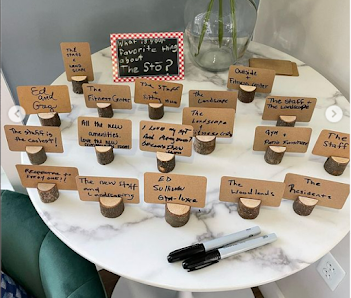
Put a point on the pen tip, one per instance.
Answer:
(185, 265)
(169, 259)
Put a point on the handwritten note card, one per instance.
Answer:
(301, 107)
(94, 131)
(156, 55)
(20, 136)
(210, 122)
(117, 95)
(44, 99)
(328, 193)
(187, 190)
(281, 67)
(262, 79)
(148, 91)
(295, 139)
(166, 137)
(332, 143)
(213, 99)
(63, 177)
(92, 188)
(77, 60)
(234, 188)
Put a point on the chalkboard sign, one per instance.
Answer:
(156, 56)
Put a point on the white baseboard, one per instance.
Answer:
(271, 290)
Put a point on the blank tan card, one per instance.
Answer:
(213, 99)
(117, 95)
(63, 177)
(20, 136)
(281, 67)
(44, 99)
(301, 107)
(295, 139)
(262, 79)
(328, 193)
(233, 188)
(166, 137)
(149, 91)
(187, 190)
(210, 122)
(92, 188)
(77, 60)
(96, 131)
(332, 143)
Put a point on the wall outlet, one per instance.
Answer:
(331, 271)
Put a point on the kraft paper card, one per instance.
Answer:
(44, 99)
(328, 193)
(295, 139)
(332, 143)
(63, 177)
(301, 107)
(96, 131)
(166, 137)
(295, 70)
(117, 95)
(213, 99)
(77, 60)
(20, 136)
(281, 67)
(210, 122)
(234, 188)
(149, 91)
(92, 188)
(187, 190)
(262, 79)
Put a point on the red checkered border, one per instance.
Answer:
(178, 35)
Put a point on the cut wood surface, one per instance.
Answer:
(48, 192)
(286, 121)
(104, 154)
(249, 208)
(77, 83)
(36, 154)
(246, 94)
(156, 111)
(304, 206)
(274, 154)
(177, 215)
(111, 207)
(49, 119)
(204, 144)
(336, 165)
(105, 110)
(165, 162)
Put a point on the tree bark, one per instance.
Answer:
(286, 121)
(77, 83)
(303, 206)
(204, 144)
(274, 154)
(49, 119)
(177, 215)
(36, 154)
(104, 154)
(336, 165)
(249, 208)
(111, 207)
(105, 110)
(48, 192)
(156, 111)
(165, 162)
(246, 94)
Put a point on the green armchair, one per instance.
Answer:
(35, 258)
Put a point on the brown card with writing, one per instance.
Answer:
(44, 99)
(149, 91)
(92, 188)
(328, 193)
(281, 67)
(63, 177)
(295, 139)
(332, 143)
(187, 190)
(117, 95)
(262, 79)
(213, 99)
(20, 136)
(301, 107)
(97, 131)
(210, 122)
(77, 60)
(269, 192)
(166, 137)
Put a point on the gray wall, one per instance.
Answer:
(32, 31)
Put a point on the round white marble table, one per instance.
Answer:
(136, 244)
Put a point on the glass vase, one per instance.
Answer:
(219, 31)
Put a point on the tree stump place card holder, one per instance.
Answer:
(48, 180)
(78, 65)
(336, 147)
(250, 194)
(157, 95)
(167, 140)
(111, 193)
(307, 192)
(46, 102)
(287, 110)
(106, 98)
(105, 135)
(34, 140)
(178, 192)
(275, 141)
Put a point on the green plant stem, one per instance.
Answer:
(220, 22)
(204, 26)
(235, 49)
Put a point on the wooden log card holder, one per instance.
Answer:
(246, 94)
(49, 119)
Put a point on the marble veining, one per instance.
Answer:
(136, 244)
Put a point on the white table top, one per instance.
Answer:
(135, 245)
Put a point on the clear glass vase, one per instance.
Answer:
(219, 31)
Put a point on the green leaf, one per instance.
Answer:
(220, 23)
(232, 6)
